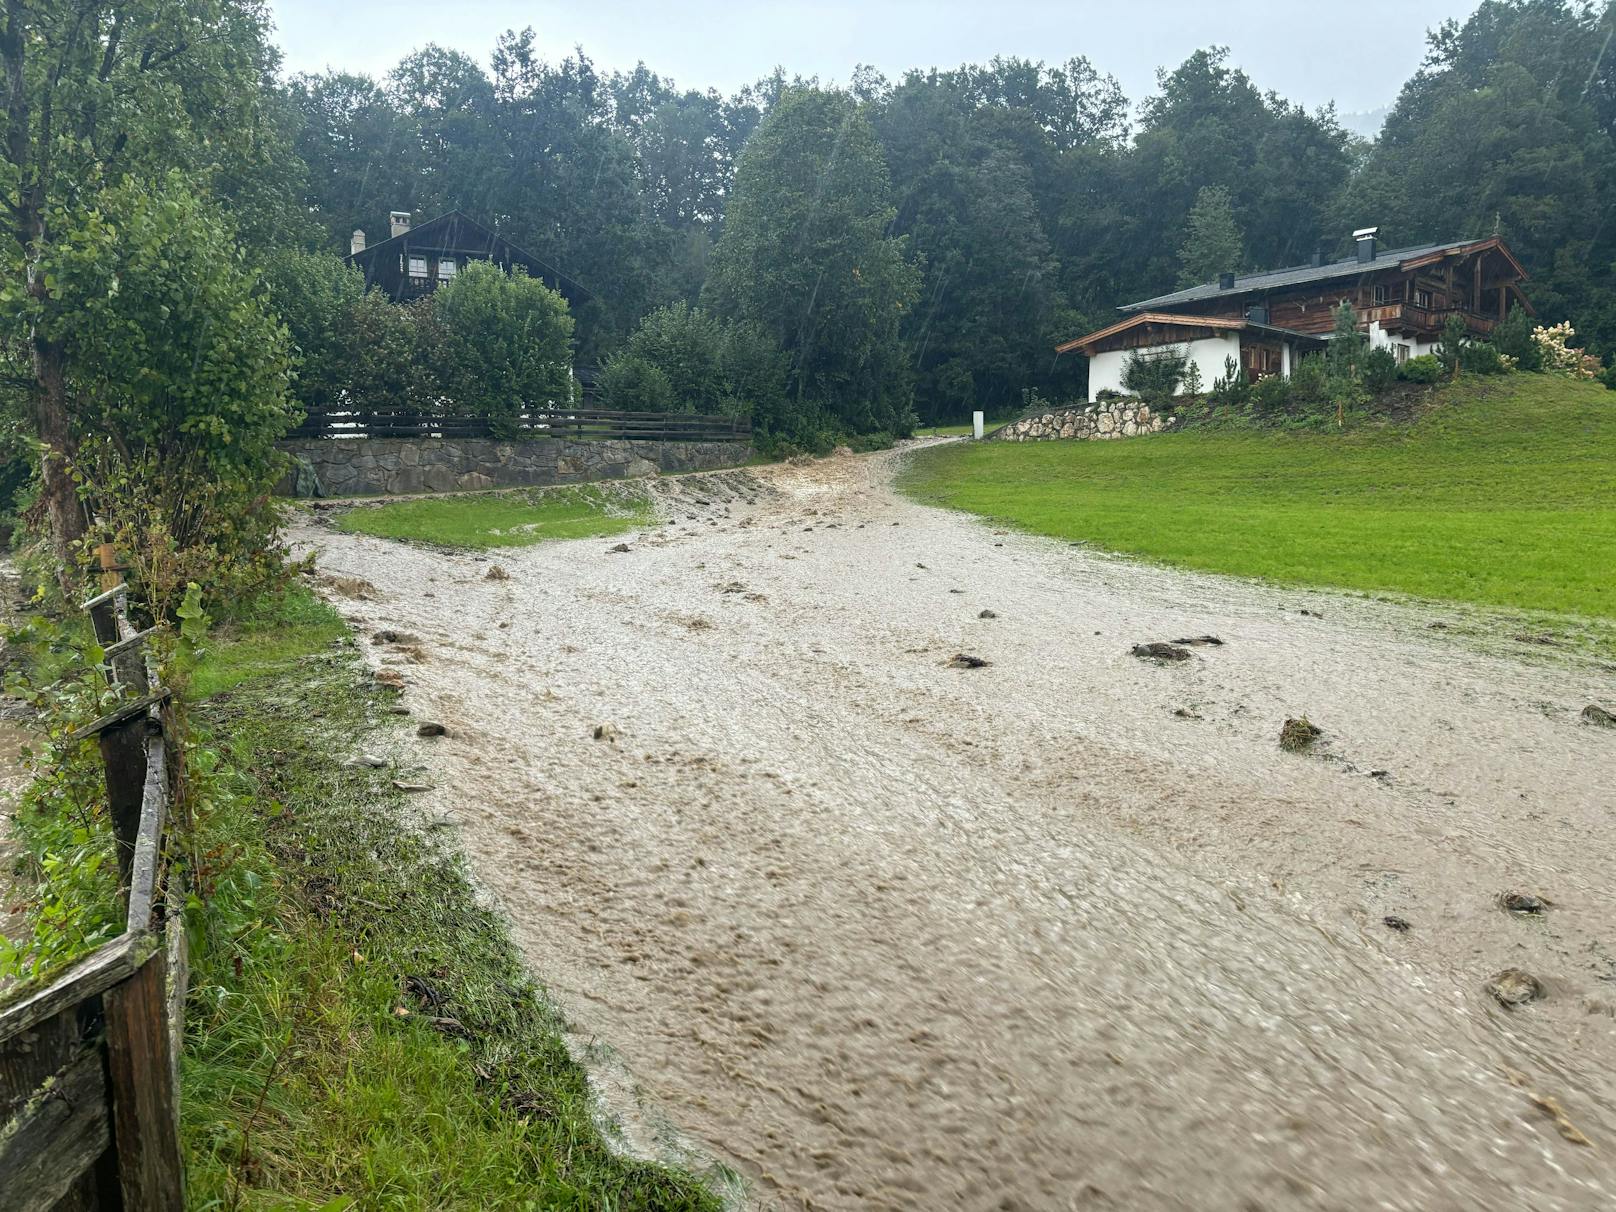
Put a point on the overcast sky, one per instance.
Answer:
(1356, 55)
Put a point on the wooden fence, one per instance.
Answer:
(585, 423)
(89, 1063)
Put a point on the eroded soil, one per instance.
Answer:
(1062, 929)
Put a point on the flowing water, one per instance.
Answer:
(1067, 930)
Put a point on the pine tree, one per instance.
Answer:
(1213, 244)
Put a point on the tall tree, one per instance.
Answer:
(95, 93)
(805, 257)
(1212, 241)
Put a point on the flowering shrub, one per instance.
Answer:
(1558, 358)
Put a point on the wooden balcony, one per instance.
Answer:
(1425, 322)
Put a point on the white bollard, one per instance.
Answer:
(976, 425)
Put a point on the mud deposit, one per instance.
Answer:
(1065, 929)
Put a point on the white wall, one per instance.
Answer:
(1379, 338)
(1105, 369)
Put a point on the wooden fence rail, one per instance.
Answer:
(89, 1063)
(589, 423)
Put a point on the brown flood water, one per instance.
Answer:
(883, 933)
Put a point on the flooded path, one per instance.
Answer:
(1064, 931)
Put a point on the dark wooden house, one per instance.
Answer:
(416, 259)
(1266, 321)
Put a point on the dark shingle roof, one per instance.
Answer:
(1348, 267)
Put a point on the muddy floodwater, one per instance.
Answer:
(1064, 930)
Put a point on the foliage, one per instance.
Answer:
(631, 382)
(316, 296)
(1557, 357)
(1155, 376)
(1378, 370)
(1271, 394)
(1426, 368)
(806, 258)
(707, 365)
(506, 343)
(1230, 389)
(1192, 378)
(1512, 338)
(1212, 243)
(1310, 381)
(1450, 349)
(178, 370)
(1344, 354)
(1451, 506)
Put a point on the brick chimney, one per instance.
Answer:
(399, 220)
(356, 242)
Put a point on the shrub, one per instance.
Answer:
(1106, 394)
(1230, 389)
(1558, 358)
(1481, 358)
(1192, 378)
(1450, 349)
(1426, 368)
(632, 384)
(1608, 377)
(687, 345)
(507, 342)
(1271, 395)
(1310, 379)
(315, 295)
(1512, 338)
(1379, 369)
(1155, 376)
(1344, 354)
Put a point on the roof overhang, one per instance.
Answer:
(1211, 324)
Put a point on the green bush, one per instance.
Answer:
(1379, 368)
(630, 383)
(316, 295)
(1478, 357)
(1513, 338)
(1608, 376)
(1271, 395)
(1155, 376)
(1231, 389)
(1310, 381)
(1450, 349)
(1426, 368)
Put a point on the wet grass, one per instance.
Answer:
(267, 636)
(1503, 495)
(507, 519)
(360, 1027)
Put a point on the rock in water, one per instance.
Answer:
(964, 660)
(1512, 987)
(1522, 902)
(1160, 652)
(1593, 713)
(1298, 735)
(988, 614)
(605, 732)
(429, 728)
(620, 549)
(1393, 922)
(496, 573)
(1199, 641)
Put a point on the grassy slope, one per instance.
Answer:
(336, 930)
(507, 519)
(1504, 494)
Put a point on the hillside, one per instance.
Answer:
(1502, 493)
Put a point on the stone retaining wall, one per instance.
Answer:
(351, 467)
(1093, 422)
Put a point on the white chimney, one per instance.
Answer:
(400, 221)
(356, 242)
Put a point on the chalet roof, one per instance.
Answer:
(456, 231)
(1347, 267)
(1179, 320)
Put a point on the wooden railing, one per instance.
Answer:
(88, 1063)
(1426, 319)
(587, 423)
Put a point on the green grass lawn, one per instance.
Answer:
(507, 519)
(1503, 494)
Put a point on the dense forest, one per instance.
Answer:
(932, 238)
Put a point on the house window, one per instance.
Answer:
(1422, 298)
(1400, 352)
(418, 269)
(446, 268)
(1380, 293)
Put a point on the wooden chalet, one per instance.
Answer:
(416, 259)
(1266, 321)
